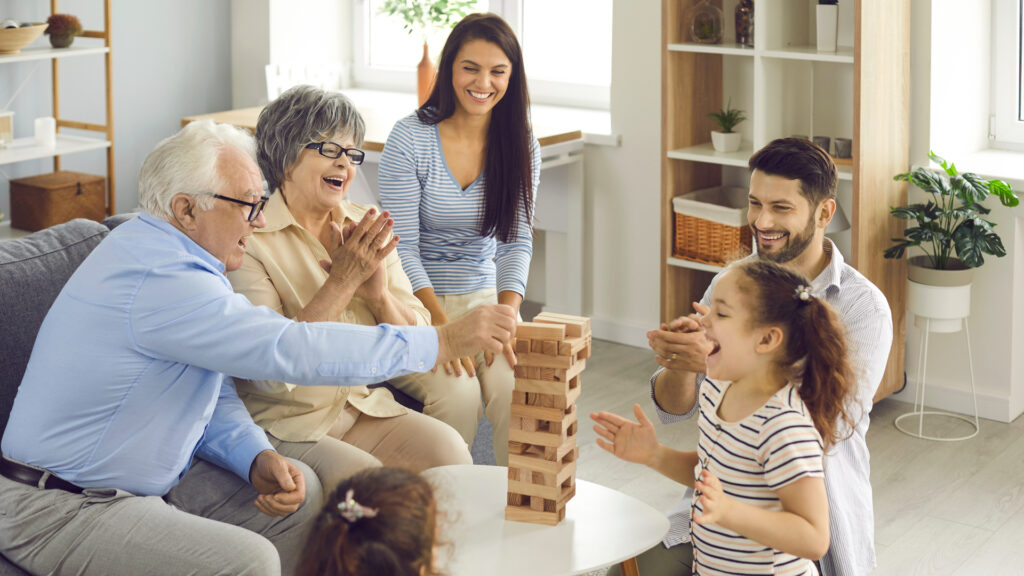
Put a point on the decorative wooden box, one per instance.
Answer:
(45, 200)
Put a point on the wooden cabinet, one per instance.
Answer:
(788, 88)
(24, 148)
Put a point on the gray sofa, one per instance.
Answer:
(33, 270)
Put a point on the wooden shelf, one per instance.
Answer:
(23, 149)
(843, 55)
(683, 263)
(707, 153)
(724, 49)
(43, 53)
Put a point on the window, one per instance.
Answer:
(566, 48)
(1007, 129)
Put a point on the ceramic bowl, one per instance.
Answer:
(12, 40)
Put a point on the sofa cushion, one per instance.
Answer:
(33, 269)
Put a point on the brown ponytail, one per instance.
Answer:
(399, 539)
(815, 344)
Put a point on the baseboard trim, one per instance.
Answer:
(619, 332)
(956, 397)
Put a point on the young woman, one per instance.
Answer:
(379, 521)
(459, 177)
(776, 403)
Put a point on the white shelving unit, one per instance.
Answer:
(24, 149)
(787, 87)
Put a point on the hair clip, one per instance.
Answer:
(352, 511)
(803, 293)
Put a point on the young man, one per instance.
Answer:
(792, 200)
(129, 381)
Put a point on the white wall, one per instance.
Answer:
(171, 59)
(623, 185)
(950, 105)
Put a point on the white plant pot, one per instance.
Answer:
(939, 308)
(828, 22)
(726, 141)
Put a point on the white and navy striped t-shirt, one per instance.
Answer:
(439, 222)
(753, 458)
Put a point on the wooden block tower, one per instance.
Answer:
(551, 352)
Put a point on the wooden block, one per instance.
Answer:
(544, 361)
(538, 412)
(547, 466)
(547, 400)
(536, 346)
(536, 437)
(529, 425)
(573, 346)
(553, 492)
(522, 346)
(516, 448)
(536, 503)
(515, 499)
(552, 387)
(549, 348)
(524, 514)
(574, 325)
(544, 331)
(533, 372)
(519, 397)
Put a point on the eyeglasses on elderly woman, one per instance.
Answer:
(334, 151)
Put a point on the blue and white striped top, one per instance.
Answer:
(864, 312)
(439, 222)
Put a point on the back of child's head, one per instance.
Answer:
(378, 521)
(814, 341)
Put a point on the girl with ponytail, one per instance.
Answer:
(774, 402)
(378, 521)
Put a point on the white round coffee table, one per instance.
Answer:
(601, 527)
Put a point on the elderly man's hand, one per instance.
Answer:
(358, 252)
(486, 328)
(681, 344)
(281, 485)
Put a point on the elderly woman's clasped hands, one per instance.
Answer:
(358, 253)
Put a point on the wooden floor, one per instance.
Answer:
(940, 507)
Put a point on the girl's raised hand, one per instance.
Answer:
(714, 502)
(632, 441)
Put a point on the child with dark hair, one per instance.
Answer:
(378, 521)
(777, 402)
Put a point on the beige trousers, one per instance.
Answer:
(456, 399)
(358, 441)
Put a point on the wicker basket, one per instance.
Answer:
(711, 225)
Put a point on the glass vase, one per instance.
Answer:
(706, 23)
(745, 23)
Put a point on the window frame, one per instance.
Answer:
(1007, 129)
(541, 91)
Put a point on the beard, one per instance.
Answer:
(794, 246)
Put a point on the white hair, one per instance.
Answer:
(186, 163)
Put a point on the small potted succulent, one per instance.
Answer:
(728, 118)
(62, 29)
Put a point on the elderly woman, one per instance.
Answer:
(299, 264)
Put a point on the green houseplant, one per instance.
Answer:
(951, 221)
(62, 29)
(727, 118)
(424, 17)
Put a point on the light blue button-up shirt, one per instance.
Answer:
(128, 379)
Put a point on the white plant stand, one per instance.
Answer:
(939, 309)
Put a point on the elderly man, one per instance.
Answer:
(792, 199)
(127, 383)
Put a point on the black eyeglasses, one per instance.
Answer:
(334, 151)
(256, 207)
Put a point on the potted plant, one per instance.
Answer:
(423, 17)
(728, 118)
(62, 29)
(827, 24)
(951, 231)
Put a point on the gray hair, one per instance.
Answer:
(299, 116)
(186, 163)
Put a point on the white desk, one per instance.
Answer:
(560, 200)
(601, 527)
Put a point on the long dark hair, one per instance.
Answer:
(507, 165)
(812, 333)
(399, 540)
